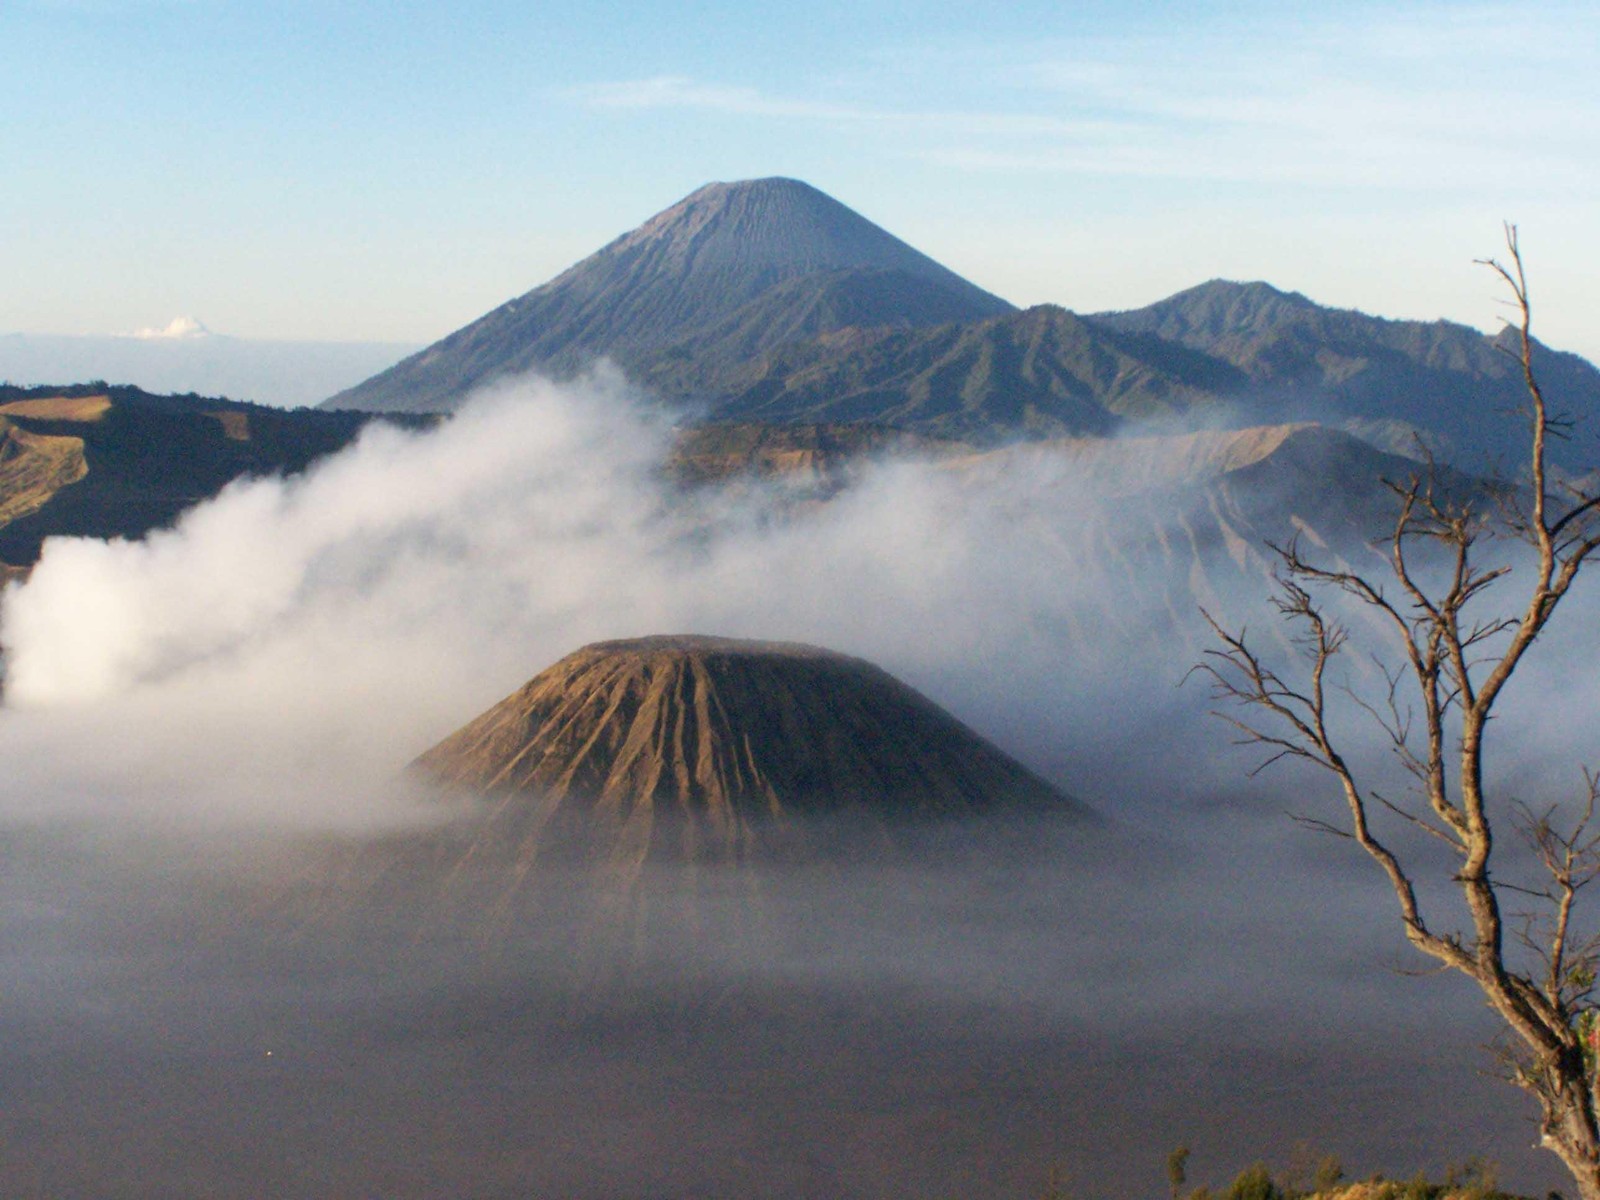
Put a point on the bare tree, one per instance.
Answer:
(1452, 654)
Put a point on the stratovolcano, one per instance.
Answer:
(731, 270)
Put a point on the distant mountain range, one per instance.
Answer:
(796, 338)
(768, 301)
(1387, 380)
(1044, 372)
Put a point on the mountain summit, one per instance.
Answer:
(712, 267)
(748, 236)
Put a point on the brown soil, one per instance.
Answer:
(688, 747)
(59, 408)
(34, 467)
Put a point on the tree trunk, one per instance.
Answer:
(1585, 1173)
(1572, 1138)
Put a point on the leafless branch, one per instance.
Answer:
(1439, 698)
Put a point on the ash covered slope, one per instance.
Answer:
(694, 278)
(724, 737)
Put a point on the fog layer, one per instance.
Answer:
(304, 638)
(206, 729)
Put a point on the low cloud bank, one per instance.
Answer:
(308, 637)
(279, 656)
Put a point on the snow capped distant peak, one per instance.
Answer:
(179, 328)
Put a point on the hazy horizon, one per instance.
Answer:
(286, 374)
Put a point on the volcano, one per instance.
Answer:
(727, 272)
(703, 748)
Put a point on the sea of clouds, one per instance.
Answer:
(183, 710)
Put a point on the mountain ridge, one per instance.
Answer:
(1038, 372)
(1446, 385)
(768, 301)
(90, 460)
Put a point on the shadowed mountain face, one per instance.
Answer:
(702, 268)
(103, 462)
(1220, 354)
(683, 748)
(1387, 380)
(1044, 372)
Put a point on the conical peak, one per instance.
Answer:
(774, 228)
(729, 734)
(769, 200)
(687, 273)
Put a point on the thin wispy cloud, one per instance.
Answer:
(1414, 100)
(676, 92)
(680, 92)
(1423, 99)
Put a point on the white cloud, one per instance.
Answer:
(177, 329)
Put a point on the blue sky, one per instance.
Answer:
(357, 171)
